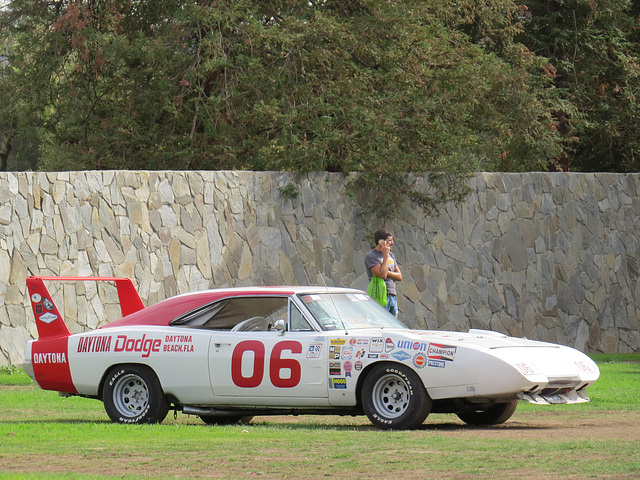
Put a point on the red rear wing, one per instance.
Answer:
(48, 319)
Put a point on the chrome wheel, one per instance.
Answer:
(390, 395)
(130, 395)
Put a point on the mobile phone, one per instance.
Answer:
(381, 241)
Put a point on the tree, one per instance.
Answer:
(594, 55)
(381, 88)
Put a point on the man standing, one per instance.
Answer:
(381, 263)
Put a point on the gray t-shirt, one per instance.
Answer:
(374, 257)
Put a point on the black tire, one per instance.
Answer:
(393, 397)
(225, 420)
(494, 415)
(133, 394)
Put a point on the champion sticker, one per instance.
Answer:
(442, 352)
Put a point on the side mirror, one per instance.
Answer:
(280, 326)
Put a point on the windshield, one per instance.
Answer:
(348, 311)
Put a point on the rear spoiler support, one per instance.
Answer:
(48, 318)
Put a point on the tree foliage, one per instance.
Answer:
(594, 52)
(372, 86)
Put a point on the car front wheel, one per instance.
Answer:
(133, 394)
(494, 415)
(393, 397)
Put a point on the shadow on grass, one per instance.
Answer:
(436, 427)
(58, 421)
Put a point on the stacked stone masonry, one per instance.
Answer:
(547, 256)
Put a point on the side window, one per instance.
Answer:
(297, 322)
(245, 314)
(280, 313)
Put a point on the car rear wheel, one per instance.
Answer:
(225, 420)
(393, 397)
(133, 394)
(494, 415)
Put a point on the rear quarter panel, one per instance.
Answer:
(178, 356)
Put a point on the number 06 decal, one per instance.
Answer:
(277, 364)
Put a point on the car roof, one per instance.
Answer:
(163, 312)
(274, 290)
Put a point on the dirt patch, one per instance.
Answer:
(553, 425)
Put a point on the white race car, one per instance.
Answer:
(229, 354)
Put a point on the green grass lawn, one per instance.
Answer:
(45, 436)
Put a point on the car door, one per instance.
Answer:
(255, 364)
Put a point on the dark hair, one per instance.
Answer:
(381, 234)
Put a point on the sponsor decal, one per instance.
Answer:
(346, 353)
(334, 352)
(48, 317)
(388, 345)
(419, 360)
(314, 350)
(402, 356)
(372, 355)
(359, 342)
(338, 341)
(319, 339)
(50, 357)
(48, 304)
(441, 352)
(384, 355)
(143, 345)
(338, 383)
(36, 298)
(376, 345)
(94, 344)
(358, 366)
(335, 368)
(39, 309)
(348, 366)
(412, 345)
(436, 363)
(360, 353)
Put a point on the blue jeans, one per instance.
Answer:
(392, 305)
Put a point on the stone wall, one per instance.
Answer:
(549, 256)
